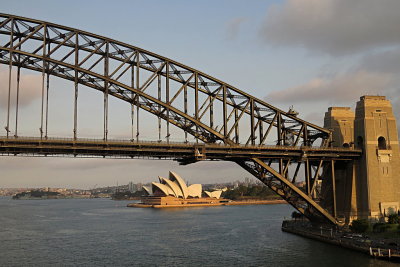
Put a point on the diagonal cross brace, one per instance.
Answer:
(304, 196)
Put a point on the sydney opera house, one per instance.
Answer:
(173, 192)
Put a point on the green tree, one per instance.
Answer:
(254, 191)
(380, 227)
(393, 219)
(296, 215)
(359, 226)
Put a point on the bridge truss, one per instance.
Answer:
(227, 123)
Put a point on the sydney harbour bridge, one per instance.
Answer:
(223, 122)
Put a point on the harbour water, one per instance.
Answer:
(102, 232)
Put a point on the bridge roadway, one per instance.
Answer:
(183, 152)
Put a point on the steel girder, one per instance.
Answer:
(304, 200)
(218, 113)
(57, 53)
(179, 151)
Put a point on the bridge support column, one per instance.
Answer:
(368, 187)
(338, 185)
(378, 181)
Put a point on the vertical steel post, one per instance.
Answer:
(137, 95)
(106, 85)
(305, 135)
(196, 102)
(261, 131)
(17, 97)
(43, 78)
(9, 77)
(296, 172)
(252, 121)
(283, 135)
(47, 94)
(132, 102)
(167, 97)
(224, 113)
(307, 176)
(236, 126)
(333, 187)
(76, 85)
(185, 104)
(159, 106)
(211, 114)
(279, 128)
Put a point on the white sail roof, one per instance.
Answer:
(163, 188)
(176, 186)
(147, 190)
(175, 177)
(172, 185)
(194, 190)
(214, 194)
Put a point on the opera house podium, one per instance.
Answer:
(173, 192)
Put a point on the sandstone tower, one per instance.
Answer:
(341, 121)
(371, 187)
(378, 173)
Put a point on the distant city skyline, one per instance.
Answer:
(306, 53)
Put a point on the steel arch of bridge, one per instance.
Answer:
(144, 79)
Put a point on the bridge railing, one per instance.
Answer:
(164, 143)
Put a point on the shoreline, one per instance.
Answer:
(345, 240)
(232, 203)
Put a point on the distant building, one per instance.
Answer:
(139, 187)
(132, 187)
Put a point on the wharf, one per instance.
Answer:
(357, 242)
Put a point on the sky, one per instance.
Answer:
(311, 54)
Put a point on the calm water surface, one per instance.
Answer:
(102, 232)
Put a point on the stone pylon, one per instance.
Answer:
(378, 171)
(340, 120)
(370, 186)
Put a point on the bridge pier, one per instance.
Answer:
(368, 187)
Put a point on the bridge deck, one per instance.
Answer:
(30, 146)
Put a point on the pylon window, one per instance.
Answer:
(381, 142)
